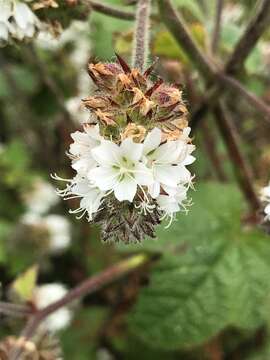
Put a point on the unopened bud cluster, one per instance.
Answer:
(131, 157)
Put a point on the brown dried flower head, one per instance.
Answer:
(43, 347)
(127, 101)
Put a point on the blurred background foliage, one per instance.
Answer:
(207, 296)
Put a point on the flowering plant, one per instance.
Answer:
(131, 157)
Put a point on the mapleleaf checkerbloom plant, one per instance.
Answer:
(131, 157)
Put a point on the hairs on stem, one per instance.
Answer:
(141, 36)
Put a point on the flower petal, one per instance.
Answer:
(152, 141)
(131, 150)
(104, 178)
(125, 189)
(143, 175)
(154, 190)
(108, 153)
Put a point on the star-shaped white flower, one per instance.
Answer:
(81, 149)
(120, 169)
(167, 161)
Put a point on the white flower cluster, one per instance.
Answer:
(17, 20)
(152, 172)
(265, 197)
(38, 202)
(45, 295)
(76, 34)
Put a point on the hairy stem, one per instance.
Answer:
(257, 25)
(175, 23)
(179, 30)
(241, 167)
(217, 26)
(141, 36)
(88, 286)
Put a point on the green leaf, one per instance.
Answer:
(83, 331)
(213, 274)
(104, 29)
(165, 45)
(25, 284)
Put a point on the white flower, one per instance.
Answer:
(81, 188)
(174, 201)
(59, 231)
(45, 295)
(120, 169)
(267, 213)
(167, 161)
(41, 197)
(56, 226)
(265, 193)
(80, 149)
(265, 197)
(17, 20)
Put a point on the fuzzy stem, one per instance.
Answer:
(217, 26)
(176, 25)
(242, 169)
(257, 25)
(141, 37)
(89, 286)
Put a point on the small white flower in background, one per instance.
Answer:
(17, 20)
(265, 198)
(57, 227)
(41, 197)
(45, 295)
(59, 231)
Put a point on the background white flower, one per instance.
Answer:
(57, 227)
(41, 197)
(17, 20)
(265, 197)
(46, 294)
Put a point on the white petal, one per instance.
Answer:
(168, 204)
(108, 153)
(143, 175)
(167, 174)
(154, 190)
(152, 141)
(189, 160)
(3, 32)
(130, 150)
(93, 132)
(267, 210)
(167, 153)
(5, 10)
(104, 178)
(23, 15)
(125, 189)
